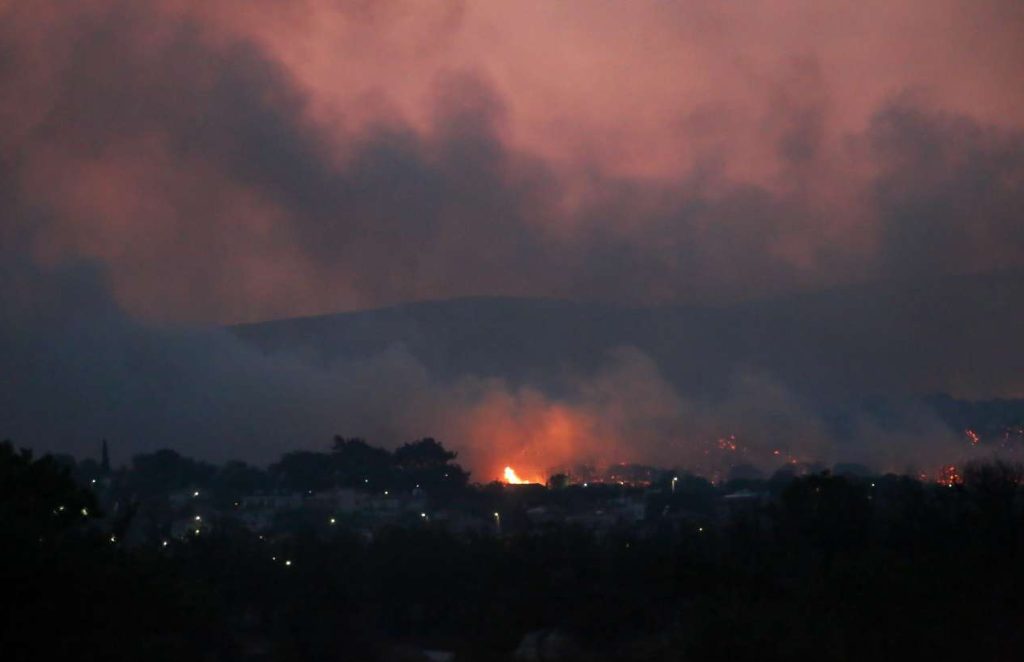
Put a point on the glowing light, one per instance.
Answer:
(512, 478)
(950, 476)
(972, 437)
(728, 443)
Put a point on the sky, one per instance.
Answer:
(171, 166)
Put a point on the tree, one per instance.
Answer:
(427, 453)
(830, 511)
(558, 481)
(39, 497)
(428, 464)
(358, 464)
(303, 471)
(237, 478)
(166, 470)
(992, 487)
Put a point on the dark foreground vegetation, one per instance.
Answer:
(823, 567)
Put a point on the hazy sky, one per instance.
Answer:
(167, 166)
(248, 159)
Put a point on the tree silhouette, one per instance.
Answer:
(358, 464)
(427, 464)
(303, 471)
(38, 497)
(167, 470)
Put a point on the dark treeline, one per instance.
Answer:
(351, 462)
(824, 567)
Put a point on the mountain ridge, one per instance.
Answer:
(859, 339)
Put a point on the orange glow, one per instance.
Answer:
(950, 476)
(728, 444)
(511, 478)
(527, 432)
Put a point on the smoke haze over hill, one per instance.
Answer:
(675, 221)
(540, 383)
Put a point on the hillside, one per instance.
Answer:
(947, 335)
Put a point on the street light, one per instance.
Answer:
(497, 522)
(675, 479)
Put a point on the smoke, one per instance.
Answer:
(218, 172)
(628, 412)
(166, 167)
(78, 369)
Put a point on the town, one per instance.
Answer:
(369, 554)
(163, 497)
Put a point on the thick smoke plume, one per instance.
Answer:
(169, 167)
(77, 369)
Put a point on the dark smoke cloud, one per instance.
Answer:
(950, 193)
(193, 170)
(77, 370)
(191, 166)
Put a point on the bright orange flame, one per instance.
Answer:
(512, 479)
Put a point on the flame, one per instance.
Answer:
(512, 478)
(950, 476)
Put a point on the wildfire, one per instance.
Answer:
(728, 443)
(950, 476)
(973, 437)
(512, 478)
